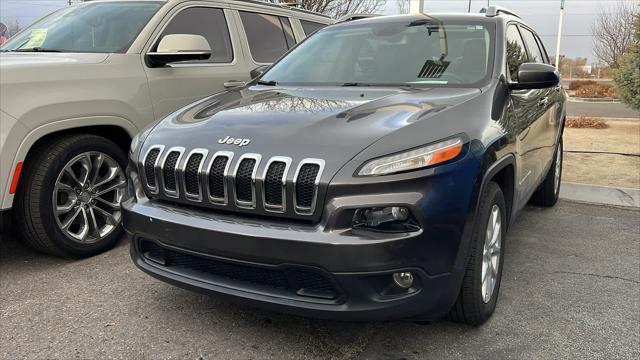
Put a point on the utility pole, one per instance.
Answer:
(416, 6)
(559, 33)
(469, 9)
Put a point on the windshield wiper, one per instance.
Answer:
(37, 49)
(267, 83)
(354, 83)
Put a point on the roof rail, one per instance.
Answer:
(495, 10)
(351, 17)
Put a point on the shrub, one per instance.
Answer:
(575, 84)
(596, 91)
(585, 122)
(627, 76)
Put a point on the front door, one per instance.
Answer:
(527, 114)
(179, 84)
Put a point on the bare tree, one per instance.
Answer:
(613, 32)
(403, 6)
(13, 27)
(338, 8)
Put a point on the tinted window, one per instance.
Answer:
(269, 36)
(310, 27)
(516, 53)
(208, 22)
(535, 55)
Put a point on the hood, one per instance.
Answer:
(333, 124)
(13, 60)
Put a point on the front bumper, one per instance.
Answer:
(252, 266)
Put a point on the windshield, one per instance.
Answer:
(107, 27)
(418, 53)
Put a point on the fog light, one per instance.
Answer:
(403, 279)
(386, 219)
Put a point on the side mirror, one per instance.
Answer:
(257, 72)
(179, 47)
(536, 76)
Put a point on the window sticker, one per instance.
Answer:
(36, 39)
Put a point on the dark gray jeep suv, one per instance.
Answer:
(371, 173)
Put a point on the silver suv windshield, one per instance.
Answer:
(108, 27)
(425, 52)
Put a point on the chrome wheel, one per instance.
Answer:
(558, 169)
(491, 253)
(86, 197)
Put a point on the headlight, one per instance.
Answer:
(413, 159)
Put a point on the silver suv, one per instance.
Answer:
(80, 83)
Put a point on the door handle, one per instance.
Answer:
(233, 83)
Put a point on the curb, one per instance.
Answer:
(593, 100)
(595, 194)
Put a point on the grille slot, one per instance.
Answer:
(192, 174)
(169, 171)
(150, 166)
(217, 188)
(291, 282)
(273, 184)
(306, 185)
(244, 182)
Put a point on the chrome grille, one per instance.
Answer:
(194, 176)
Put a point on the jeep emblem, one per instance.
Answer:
(234, 141)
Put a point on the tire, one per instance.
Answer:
(548, 192)
(471, 306)
(42, 184)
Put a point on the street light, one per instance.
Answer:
(559, 33)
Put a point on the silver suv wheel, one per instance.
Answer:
(87, 195)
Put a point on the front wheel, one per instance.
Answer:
(481, 284)
(69, 198)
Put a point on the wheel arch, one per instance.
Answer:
(502, 172)
(116, 129)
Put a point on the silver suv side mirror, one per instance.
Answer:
(179, 47)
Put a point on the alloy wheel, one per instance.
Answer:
(491, 253)
(87, 195)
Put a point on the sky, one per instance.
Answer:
(542, 15)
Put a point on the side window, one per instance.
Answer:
(516, 53)
(535, 55)
(310, 27)
(269, 36)
(208, 22)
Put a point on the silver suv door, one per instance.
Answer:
(179, 84)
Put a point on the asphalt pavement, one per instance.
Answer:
(601, 109)
(571, 290)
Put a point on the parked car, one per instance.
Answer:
(371, 173)
(78, 84)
